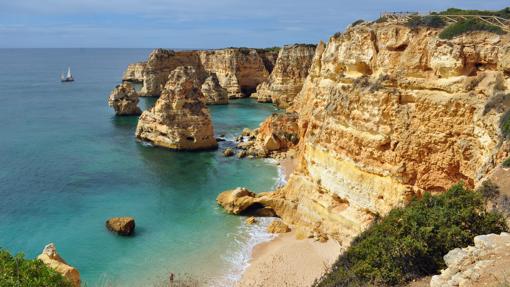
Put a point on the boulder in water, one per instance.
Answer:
(121, 225)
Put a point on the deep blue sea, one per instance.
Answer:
(67, 164)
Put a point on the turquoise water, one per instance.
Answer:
(67, 164)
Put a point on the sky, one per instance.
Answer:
(194, 24)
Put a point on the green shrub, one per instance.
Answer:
(468, 25)
(357, 22)
(503, 13)
(18, 271)
(505, 125)
(506, 163)
(410, 242)
(427, 21)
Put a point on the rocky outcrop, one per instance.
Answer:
(214, 93)
(484, 264)
(52, 259)
(278, 226)
(288, 75)
(239, 70)
(388, 112)
(124, 100)
(180, 119)
(161, 63)
(121, 225)
(269, 57)
(134, 73)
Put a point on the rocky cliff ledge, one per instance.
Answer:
(214, 93)
(288, 75)
(134, 72)
(239, 70)
(180, 119)
(52, 259)
(388, 112)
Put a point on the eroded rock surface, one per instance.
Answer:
(180, 118)
(484, 264)
(214, 93)
(288, 75)
(134, 72)
(52, 259)
(124, 100)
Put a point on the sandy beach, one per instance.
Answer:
(287, 261)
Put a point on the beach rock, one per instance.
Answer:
(228, 152)
(180, 119)
(483, 264)
(124, 100)
(277, 226)
(251, 220)
(52, 259)
(237, 200)
(288, 75)
(121, 225)
(213, 92)
(134, 72)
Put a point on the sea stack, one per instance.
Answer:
(52, 259)
(124, 100)
(288, 75)
(124, 226)
(180, 119)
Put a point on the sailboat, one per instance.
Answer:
(68, 77)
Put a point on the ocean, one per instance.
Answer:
(67, 164)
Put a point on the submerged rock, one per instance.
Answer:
(228, 152)
(251, 220)
(124, 100)
(121, 225)
(52, 259)
(213, 92)
(180, 119)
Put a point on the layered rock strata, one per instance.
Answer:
(180, 118)
(386, 113)
(288, 75)
(52, 259)
(124, 100)
(239, 70)
(484, 264)
(134, 72)
(214, 93)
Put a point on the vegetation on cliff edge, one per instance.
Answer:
(410, 242)
(18, 271)
(503, 13)
(468, 25)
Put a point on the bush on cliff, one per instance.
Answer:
(466, 26)
(18, 271)
(410, 242)
(427, 21)
(503, 13)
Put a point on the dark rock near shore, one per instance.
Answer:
(124, 226)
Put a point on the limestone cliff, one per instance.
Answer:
(124, 100)
(288, 75)
(239, 70)
(388, 112)
(180, 119)
(134, 72)
(160, 64)
(214, 93)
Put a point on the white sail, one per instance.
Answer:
(69, 73)
(62, 76)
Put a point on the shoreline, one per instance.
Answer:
(286, 260)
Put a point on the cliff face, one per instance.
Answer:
(214, 93)
(180, 119)
(134, 72)
(288, 75)
(387, 112)
(238, 70)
